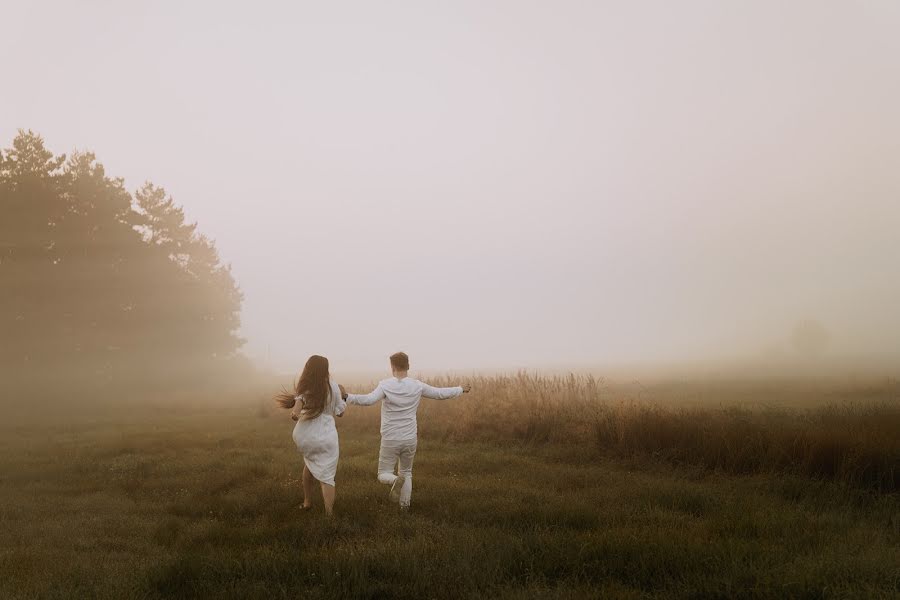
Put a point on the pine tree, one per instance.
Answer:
(32, 183)
(97, 286)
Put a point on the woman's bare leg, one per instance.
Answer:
(309, 486)
(328, 497)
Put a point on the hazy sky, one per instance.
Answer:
(500, 184)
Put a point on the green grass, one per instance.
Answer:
(205, 505)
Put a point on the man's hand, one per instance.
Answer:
(466, 388)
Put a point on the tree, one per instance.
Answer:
(32, 183)
(97, 285)
(209, 300)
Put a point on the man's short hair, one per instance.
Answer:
(400, 361)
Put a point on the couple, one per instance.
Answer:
(320, 400)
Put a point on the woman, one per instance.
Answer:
(315, 401)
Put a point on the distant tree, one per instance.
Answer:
(100, 257)
(32, 185)
(809, 338)
(209, 300)
(97, 285)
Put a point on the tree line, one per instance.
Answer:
(99, 286)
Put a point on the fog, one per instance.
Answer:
(502, 184)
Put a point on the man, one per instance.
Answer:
(399, 431)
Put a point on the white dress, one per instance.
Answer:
(317, 439)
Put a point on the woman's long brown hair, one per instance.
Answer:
(313, 386)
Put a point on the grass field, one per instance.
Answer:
(202, 502)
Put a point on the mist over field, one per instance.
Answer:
(502, 186)
(643, 257)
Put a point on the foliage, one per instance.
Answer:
(97, 285)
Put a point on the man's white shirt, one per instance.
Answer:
(401, 401)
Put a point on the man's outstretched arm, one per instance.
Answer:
(366, 399)
(446, 393)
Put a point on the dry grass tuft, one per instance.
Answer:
(856, 443)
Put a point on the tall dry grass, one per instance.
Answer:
(855, 442)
